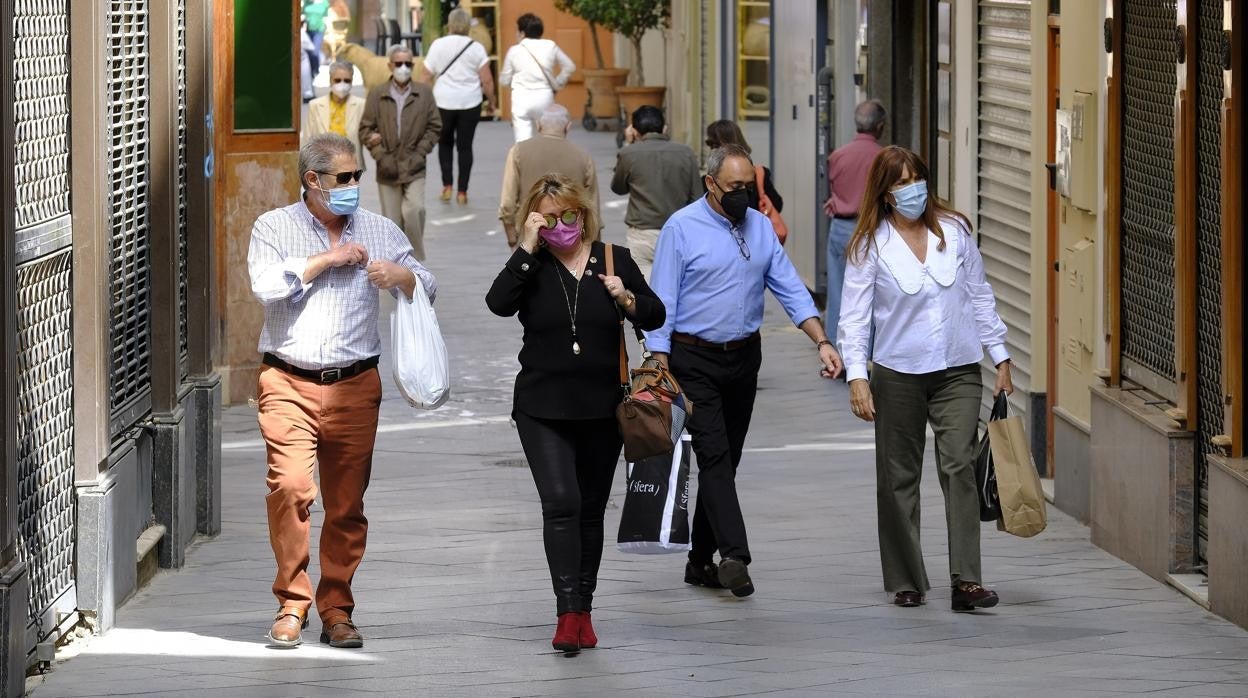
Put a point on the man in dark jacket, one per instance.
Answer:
(399, 127)
(660, 178)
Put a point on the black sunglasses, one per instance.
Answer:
(399, 63)
(338, 80)
(343, 177)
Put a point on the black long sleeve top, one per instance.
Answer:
(554, 382)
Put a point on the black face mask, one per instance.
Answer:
(736, 202)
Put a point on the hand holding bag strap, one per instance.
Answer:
(623, 350)
(1000, 407)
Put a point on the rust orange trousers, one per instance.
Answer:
(306, 425)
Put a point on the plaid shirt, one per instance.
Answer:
(331, 320)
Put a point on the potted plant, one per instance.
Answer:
(601, 82)
(632, 19)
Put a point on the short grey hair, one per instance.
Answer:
(554, 118)
(869, 116)
(458, 21)
(715, 161)
(346, 66)
(318, 154)
(398, 48)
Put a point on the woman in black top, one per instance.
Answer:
(569, 385)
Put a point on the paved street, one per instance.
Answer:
(454, 597)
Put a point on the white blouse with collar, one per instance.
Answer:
(928, 316)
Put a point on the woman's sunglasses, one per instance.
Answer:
(568, 217)
(343, 177)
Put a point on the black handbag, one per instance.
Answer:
(985, 474)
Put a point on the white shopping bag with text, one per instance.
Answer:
(419, 354)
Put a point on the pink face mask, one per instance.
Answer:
(562, 236)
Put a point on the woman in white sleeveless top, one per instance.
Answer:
(529, 69)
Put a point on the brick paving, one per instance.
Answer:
(454, 597)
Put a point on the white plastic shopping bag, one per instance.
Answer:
(420, 367)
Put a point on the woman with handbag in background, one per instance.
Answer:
(529, 69)
(568, 387)
(915, 273)
(766, 199)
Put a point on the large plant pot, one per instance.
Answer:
(601, 85)
(633, 97)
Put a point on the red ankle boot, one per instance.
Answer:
(588, 639)
(568, 632)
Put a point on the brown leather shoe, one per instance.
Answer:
(968, 596)
(908, 599)
(342, 633)
(288, 625)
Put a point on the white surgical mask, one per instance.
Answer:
(341, 89)
(402, 74)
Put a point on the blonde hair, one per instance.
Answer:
(566, 193)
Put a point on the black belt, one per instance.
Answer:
(722, 346)
(323, 376)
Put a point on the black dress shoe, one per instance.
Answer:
(703, 574)
(734, 576)
(908, 599)
(968, 596)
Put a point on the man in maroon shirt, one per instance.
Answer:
(847, 178)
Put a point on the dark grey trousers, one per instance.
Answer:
(904, 405)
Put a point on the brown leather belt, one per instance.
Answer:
(722, 346)
(323, 376)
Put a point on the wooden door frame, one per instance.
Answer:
(1053, 227)
(1113, 192)
(1235, 14)
(1185, 218)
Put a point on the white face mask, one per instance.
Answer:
(402, 74)
(341, 89)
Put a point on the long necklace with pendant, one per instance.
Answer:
(573, 302)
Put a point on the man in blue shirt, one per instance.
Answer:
(714, 258)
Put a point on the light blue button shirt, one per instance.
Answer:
(708, 286)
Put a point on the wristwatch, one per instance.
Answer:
(629, 300)
(822, 342)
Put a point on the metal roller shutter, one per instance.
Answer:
(45, 468)
(1149, 83)
(1005, 166)
(1209, 408)
(130, 254)
(45, 464)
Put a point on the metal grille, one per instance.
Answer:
(45, 466)
(41, 110)
(182, 172)
(1148, 185)
(130, 384)
(1209, 408)
(1005, 166)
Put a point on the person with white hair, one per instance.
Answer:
(337, 112)
(550, 152)
(400, 127)
(461, 68)
(529, 69)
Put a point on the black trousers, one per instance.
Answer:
(573, 463)
(722, 385)
(459, 126)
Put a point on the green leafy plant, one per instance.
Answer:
(630, 18)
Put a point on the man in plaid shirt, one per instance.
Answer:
(316, 265)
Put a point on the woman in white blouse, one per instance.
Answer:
(916, 276)
(529, 68)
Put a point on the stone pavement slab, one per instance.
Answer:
(454, 597)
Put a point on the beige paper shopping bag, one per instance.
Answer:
(1018, 483)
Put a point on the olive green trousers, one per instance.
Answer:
(905, 404)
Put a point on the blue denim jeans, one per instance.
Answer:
(839, 232)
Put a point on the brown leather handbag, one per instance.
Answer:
(653, 412)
